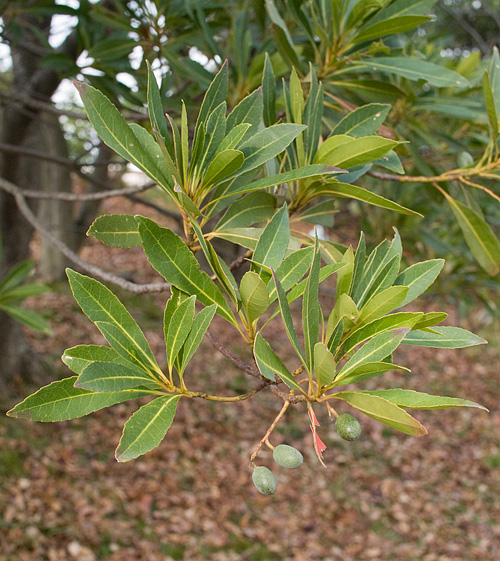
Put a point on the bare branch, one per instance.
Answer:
(71, 255)
(249, 369)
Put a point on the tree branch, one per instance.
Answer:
(71, 255)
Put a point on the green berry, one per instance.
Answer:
(348, 427)
(465, 160)
(287, 456)
(264, 480)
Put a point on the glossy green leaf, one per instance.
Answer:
(388, 27)
(344, 309)
(269, 92)
(415, 69)
(249, 110)
(382, 303)
(178, 329)
(430, 319)
(171, 257)
(112, 377)
(418, 278)
(384, 411)
(254, 295)
(321, 213)
(313, 114)
(155, 107)
(363, 121)
(61, 401)
(27, 317)
(147, 427)
(380, 325)
(200, 325)
(214, 96)
(291, 270)
(274, 240)
(344, 277)
(443, 337)
(410, 399)
(347, 191)
(224, 164)
(286, 316)
(324, 364)
(311, 311)
(270, 364)
(115, 230)
(102, 306)
(355, 152)
(367, 371)
(250, 209)
(79, 357)
(16, 275)
(480, 238)
(489, 100)
(118, 135)
(375, 350)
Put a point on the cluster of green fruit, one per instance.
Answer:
(289, 457)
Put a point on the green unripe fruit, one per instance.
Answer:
(287, 456)
(348, 427)
(264, 480)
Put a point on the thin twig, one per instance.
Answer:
(232, 357)
(265, 438)
(70, 254)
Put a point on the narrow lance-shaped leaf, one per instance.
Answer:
(291, 270)
(286, 316)
(310, 311)
(274, 240)
(269, 93)
(101, 305)
(489, 100)
(443, 337)
(363, 121)
(79, 357)
(410, 399)
(112, 377)
(418, 278)
(146, 428)
(171, 257)
(215, 95)
(61, 401)
(324, 364)
(200, 325)
(384, 411)
(270, 365)
(178, 329)
(248, 210)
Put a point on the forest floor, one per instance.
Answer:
(386, 496)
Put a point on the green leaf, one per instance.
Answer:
(481, 240)
(118, 135)
(418, 278)
(410, 399)
(270, 365)
(415, 69)
(155, 107)
(388, 27)
(344, 278)
(254, 295)
(267, 144)
(286, 316)
(281, 34)
(321, 213)
(146, 428)
(489, 100)
(61, 401)
(215, 95)
(354, 152)
(115, 230)
(27, 317)
(313, 115)
(376, 349)
(347, 191)
(112, 377)
(253, 208)
(384, 411)
(269, 92)
(249, 110)
(443, 337)
(363, 121)
(200, 325)
(224, 164)
(16, 275)
(171, 257)
(291, 270)
(380, 325)
(102, 306)
(79, 357)
(430, 319)
(311, 311)
(234, 137)
(178, 329)
(344, 309)
(367, 371)
(381, 304)
(273, 242)
(324, 364)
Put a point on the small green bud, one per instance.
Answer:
(348, 427)
(287, 456)
(465, 160)
(264, 480)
